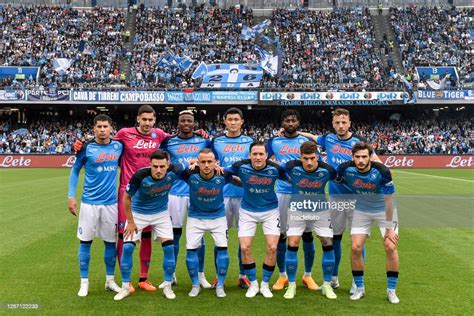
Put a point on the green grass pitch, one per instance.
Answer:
(38, 256)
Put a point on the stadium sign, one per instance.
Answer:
(47, 95)
(445, 96)
(393, 161)
(331, 98)
(118, 96)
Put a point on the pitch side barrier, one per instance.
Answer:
(392, 161)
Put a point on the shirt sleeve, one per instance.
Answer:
(321, 140)
(76, 169)
(134, 184)
(386, 181)
(270, 148)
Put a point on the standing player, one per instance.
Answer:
(182, 148)
(308, 178)
(98, 212)
(206, 213)
(146, 205)
(338, 147)
(285, 148)
(259, 205)
(372, 183)
(229, 148)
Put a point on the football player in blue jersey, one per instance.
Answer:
(98, 212)
(309, 178)
(228, 149)
(372, 184)
(146, 204)
(183, 147)
(338, 146)
(259, 205)
(282, 149)
(206, 214)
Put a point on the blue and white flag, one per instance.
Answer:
(271, 63)
(200, 71)
(60, 65)
(250, 32)
(184, 63)
(168, 61)
(232, 76)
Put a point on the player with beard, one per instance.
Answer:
(372, 184)
(283, 149)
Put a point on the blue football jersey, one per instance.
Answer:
(259, 185)
(338, 151)
(150, 196)
(285, 149)
(101, 166)
(206, 196)
(229, 150)
(181, 150)
(370, 186)
(309, 183)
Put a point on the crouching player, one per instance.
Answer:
(259, 205)
(206, 214)
(146, 204)
(98, 212)
(309, 178)
(372, 183)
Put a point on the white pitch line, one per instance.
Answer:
(433, 176)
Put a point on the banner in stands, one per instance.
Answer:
(445, 95)
(394, 161)
(47, 95)
(331, 98)
(12, 95)
(238, 76)
(163, 96)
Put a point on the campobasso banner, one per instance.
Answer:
(331, 98)
(395, 161)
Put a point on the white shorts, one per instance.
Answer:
(248, 222)
(340, 219)
(363, 221)
(283, 203)
(321, 225)
(97, 221)
(232, 207)
(195, 229)
(178, 206)
(160, 223)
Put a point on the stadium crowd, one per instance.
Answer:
(435, 37)
(36, 35)
(411, 136)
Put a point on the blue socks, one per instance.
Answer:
(292, 263)
(281, 254)
(309, 251)
(358, 278)
(168, 259)
(222, 263)
(126, 263)
(84, 255)
(110, 255)
(267, 272)
(201, 253)
(250, 271)
(327, 262)
(192, 262)
(241, 266)
(337, 253)
(392, 279)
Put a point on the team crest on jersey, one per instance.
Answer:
(196, 140)
(373, 176)
(321, 174)
(353, 143)
(116, 146)
(301, 140)
(153, 135)
(168, 178)
(218, 181)
(270, 172)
